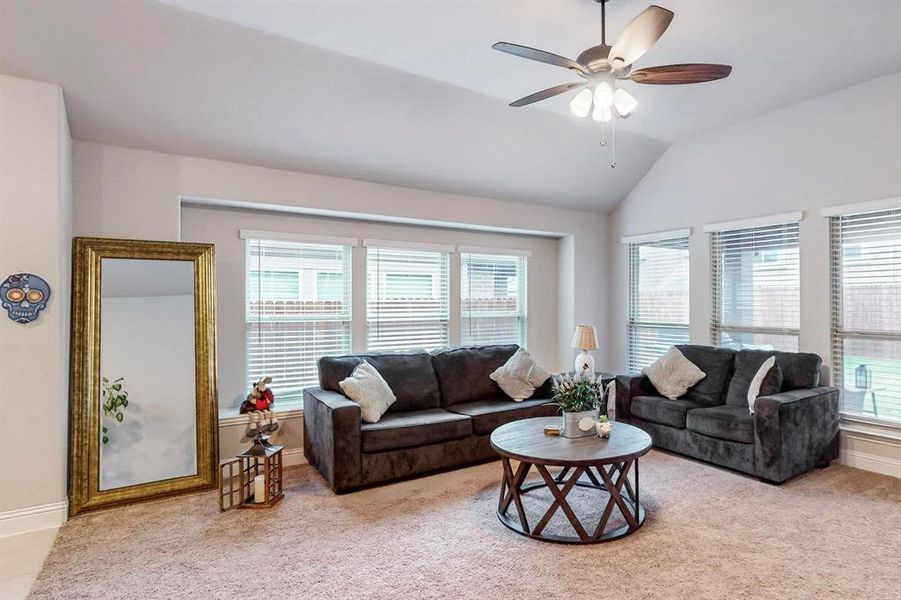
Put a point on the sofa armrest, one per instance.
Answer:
(795, 431)
(627, 387)
(332, 437)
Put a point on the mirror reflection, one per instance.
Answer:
(148, 423)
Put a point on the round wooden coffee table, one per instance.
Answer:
(589, 462)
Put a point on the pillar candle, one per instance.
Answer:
(259, 489)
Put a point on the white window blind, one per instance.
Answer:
(866, 312)
(756, 287)
(493, 299)
(407, 298)
(658, 299)
(297, 310)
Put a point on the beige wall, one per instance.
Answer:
(838, 149)
(127, 193)
(35, 232)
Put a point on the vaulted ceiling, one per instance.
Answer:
(411, 93)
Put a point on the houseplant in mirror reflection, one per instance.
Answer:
(580, 399)
(115, 399)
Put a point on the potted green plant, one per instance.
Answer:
(580, 400)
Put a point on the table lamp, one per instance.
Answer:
(585, 339)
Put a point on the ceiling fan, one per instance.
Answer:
(602, 67)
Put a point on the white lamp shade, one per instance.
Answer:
(602, 113)
(585, 338)
(603, 95)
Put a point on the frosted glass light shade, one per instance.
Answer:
(624, 101)
(602, 113)
(603, 95)
(581, 103)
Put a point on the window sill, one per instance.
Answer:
(869, 427)
(283, 410)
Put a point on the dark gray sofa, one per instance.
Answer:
(789, 433)
(446, 408)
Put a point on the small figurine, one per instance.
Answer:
(258, 407)
(604, 427)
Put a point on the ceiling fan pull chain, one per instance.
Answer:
(603, 135)
(613, 143)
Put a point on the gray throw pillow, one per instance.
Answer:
(747, 363)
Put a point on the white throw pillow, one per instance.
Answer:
(366, 387)
(672, 374)
(520, 376)
(757, 381)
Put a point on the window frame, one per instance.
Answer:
(678, 331)
(838, 333)
(521, 267)
(717, 239)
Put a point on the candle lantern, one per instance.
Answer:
(863, 377)
(253, 479)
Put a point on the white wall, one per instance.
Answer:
(840, 148)
(122, 192)
(35, 236)
(127, 193)
(222, 226)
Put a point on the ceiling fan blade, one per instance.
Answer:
(545, 94)
(678, 74)
(639, 36)
(540, 56)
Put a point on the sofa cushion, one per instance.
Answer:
(732, 423)
(368, 389)
(520, 376)
(672, 374)
(717, 364)
(409, 375)
(414, 428)
(464, 374)
(800, 370)
(664, 411)
(488, 415)
(747, 364)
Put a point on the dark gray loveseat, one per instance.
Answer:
(446, 408)
(789, 433)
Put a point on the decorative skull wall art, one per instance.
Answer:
(24, 296)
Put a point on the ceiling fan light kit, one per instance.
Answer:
(603, 67)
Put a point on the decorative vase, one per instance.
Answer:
(574, 423)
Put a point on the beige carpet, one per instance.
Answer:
(833, 533)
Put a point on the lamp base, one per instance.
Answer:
(584, 365)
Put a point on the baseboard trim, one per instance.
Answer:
(294, 457)
(33, 518)
(871, 462)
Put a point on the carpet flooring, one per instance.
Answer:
(710, 533)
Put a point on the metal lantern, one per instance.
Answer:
(253, 479)
(863, 377)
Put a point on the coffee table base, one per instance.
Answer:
(612, 478)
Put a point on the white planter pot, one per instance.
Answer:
(571, 421)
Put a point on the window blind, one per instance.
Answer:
(493, 299)
(407, 298)
(297, 300)
(866, 312)
(756, 287)
(658, 299)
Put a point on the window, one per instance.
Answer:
(493, 307)
(866, 312)
(407, 298)
(756, 287)
(658, 299)
(297, 310)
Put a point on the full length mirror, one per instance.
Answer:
(143, 371)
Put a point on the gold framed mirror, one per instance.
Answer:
(144, 416)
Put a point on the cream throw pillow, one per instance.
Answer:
(520, 376)
(757, 381)
(366, 387)
(672, 374)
